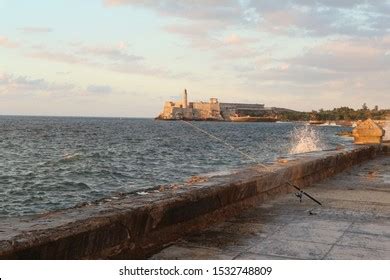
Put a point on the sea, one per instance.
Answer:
(51, 163)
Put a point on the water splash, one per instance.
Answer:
(305, 139)
(386, 127)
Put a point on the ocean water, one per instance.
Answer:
(49, 163)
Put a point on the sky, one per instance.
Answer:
(124, 58)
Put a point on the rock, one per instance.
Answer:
(368, 132)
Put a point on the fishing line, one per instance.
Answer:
(299, 194)
(224, 142)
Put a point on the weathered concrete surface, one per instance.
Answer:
(353, 223)
(136, 226)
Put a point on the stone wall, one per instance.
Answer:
(136, 226)
(195, 111)
(212, 110)
(203, 110)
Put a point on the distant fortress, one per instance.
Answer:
(217, 111)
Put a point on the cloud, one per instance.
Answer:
(323, 17)
(143, 69)
(189, 30)
(226, 10)
(234, 39)
(216, 25)
(10, 84)
(337, 72)
(198, 35)
(329, 3)
(61, 57)
(335, 62)
(355, 55)
(27, 95)
(288, 75)
(112, 58)
(99, 89)
(7, 43)
(63, 72)
(89, 55)
(23, 85)
(197, 21)
(330, 47)
(30, 29)
(118, 53)
(202, 36)
(316, 18)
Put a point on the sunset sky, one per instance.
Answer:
(126, 57)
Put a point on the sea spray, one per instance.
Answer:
(305, 139)
(386, 127)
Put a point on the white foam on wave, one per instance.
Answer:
(329, 124)
(305, 139)
(69, 157)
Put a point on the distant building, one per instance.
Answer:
(212, 110)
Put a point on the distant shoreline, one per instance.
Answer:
(86, 117)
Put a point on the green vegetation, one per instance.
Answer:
(293, 116)
(337, 114)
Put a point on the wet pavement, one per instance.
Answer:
(353, 223)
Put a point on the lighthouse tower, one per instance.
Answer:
(185, 101)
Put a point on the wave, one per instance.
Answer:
(76, 186)
(71, 157)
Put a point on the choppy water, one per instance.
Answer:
(51, 163)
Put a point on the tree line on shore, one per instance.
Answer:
(337, 114)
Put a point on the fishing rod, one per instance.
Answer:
(300, 191)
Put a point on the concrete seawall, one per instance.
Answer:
(138, 225)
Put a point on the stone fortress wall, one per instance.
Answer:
(212, 110)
